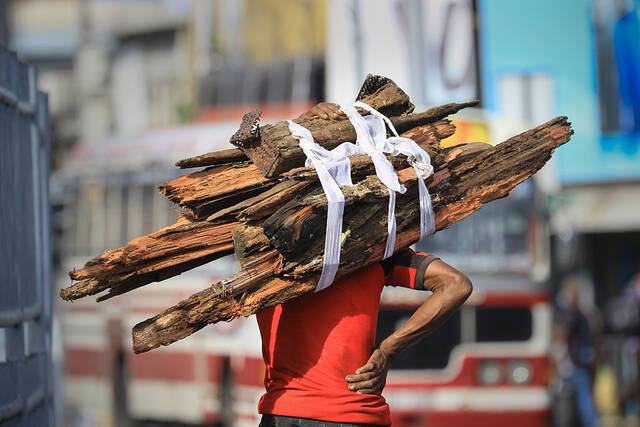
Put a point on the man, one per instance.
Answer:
(580, 350)
(321, 367)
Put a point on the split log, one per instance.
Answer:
(468, 176)
(213, 193)
(187, 244)
(209, 306)
(214, 158)
(203, 193)
(153, 258)
(274, 151)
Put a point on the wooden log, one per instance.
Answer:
(274, 151)
(272, 201)
(427, 136)
(295, 228)
(468, 178)
(158, 256)
(176, 249)
(203, 193)
(214, 194)
(214, 158)
(210, 306)
(259, 205)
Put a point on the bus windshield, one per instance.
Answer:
(431, 352)
(469, 324)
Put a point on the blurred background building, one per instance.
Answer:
(136, 85)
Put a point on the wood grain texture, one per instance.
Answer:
(467, 177)
(166, 253)
(213, 158)
(271, 211)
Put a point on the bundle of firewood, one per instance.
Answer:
(260, 202)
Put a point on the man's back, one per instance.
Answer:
(311, 343)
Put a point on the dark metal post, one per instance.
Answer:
(25, 248)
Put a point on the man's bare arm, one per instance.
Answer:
(450, 289)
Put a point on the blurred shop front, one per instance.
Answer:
(585, 64)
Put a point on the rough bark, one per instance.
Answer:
(156, 257)
(295, 228)
(468, 177)
(217, 193)
(233, 194)
(214, 158)
(274, 151)
(203, 193)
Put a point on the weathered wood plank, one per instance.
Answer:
(213, 158)
(158, 256)
(467, 178)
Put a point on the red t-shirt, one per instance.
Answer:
(311, 343)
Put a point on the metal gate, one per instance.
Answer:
(26, 385)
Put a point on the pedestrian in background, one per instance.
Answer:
(575, 361)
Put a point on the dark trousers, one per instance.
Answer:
(282, 421)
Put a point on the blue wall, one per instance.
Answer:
(557, 38)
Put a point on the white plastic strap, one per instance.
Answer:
(416, 156)
(334, 169)
(369, 131)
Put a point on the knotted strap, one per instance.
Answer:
(416, 156)
(334, 169)
(367, 133)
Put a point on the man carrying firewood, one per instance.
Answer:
(321, 365)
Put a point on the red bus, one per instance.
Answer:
(487, 365)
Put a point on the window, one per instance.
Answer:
(431, 352)
(148, 213)
(495, 239)
(526, 97)
(467, 325)
(503, 324)
(449, 56)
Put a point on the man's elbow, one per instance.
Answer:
(462, 287)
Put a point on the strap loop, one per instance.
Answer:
(334, 170)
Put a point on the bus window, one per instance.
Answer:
(503, 324)
(431, 352)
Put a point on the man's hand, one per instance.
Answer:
(324, 110)
(372, 377)
(450, 289)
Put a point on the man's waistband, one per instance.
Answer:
(283, 421)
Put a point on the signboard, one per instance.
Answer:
(427, 47)
(449, 67)
(586, 62)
